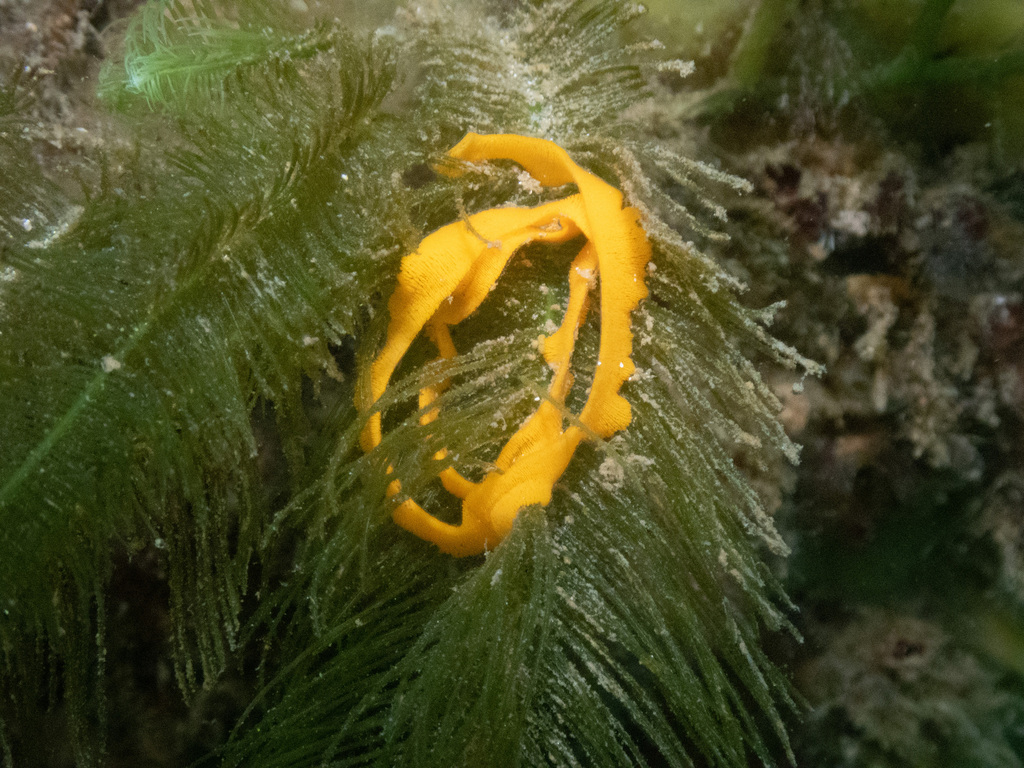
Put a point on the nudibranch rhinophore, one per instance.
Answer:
(448, 276)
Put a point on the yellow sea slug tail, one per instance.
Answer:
(470, 538)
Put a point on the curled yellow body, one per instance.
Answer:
(448, 276)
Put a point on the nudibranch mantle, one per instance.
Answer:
(446, 279)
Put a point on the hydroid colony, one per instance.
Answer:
(217, 272)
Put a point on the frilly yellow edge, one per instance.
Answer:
(448, 276)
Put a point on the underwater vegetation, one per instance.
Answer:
(189, 306)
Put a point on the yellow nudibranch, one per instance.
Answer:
(448, 276)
